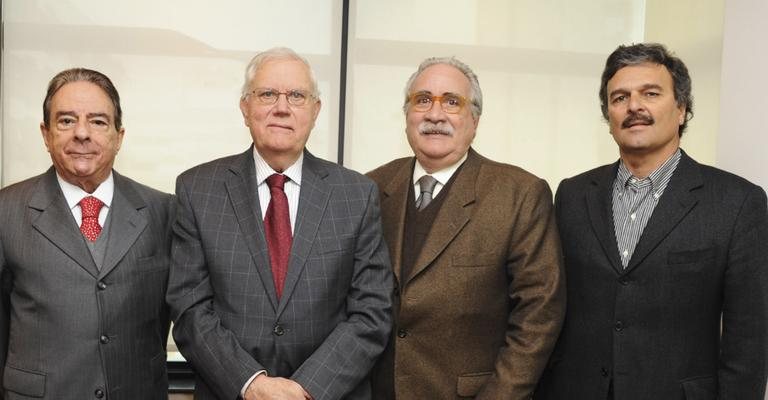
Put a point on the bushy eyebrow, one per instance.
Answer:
(643, 88)
(89, 115)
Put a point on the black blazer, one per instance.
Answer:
(653, 329)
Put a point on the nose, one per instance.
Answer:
(282, 106)
(635, 103)
(436, 113)
(82, 130)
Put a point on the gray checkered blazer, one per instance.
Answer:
(333, 319)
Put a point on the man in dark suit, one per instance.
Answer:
(280, 285)
(475, 251)
(84, 255)
(666, 259)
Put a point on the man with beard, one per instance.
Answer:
(475, 251)
(666, 258)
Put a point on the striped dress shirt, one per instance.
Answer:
(634, 200)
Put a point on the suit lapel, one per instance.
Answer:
(600, 208)
(394, 198)
(242, 188)
(453, 215)
(55, 222)
(126, 223)
(313, 201)
(678, 199)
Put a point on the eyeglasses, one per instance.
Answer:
(450, 103)
(269, 96)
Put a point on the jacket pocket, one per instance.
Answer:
(468, 385)
(691, 256)
(27, 383)
(474, 261)
(700, 388)
(153, 263)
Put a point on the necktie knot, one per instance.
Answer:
(90, 207)
(276, 181)
(427, 186)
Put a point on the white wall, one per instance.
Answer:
(178, 66)
(742, 145)
(538, 63)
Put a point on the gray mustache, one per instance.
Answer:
(441, 128)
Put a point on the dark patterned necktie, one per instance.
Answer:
(90, 207)
(277, 224)
(427, 185)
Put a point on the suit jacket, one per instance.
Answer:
(484, 302)
(333, 318)
(654, 327)
(77, 332)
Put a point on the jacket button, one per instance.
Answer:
(618, 326)
(104, 339)
(101, 285)
(278, 330)
(98, 393)
(624, 281)
(603, 372)
(401, 333)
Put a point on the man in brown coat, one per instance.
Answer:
(480, 287)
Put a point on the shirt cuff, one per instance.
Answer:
(248, 382)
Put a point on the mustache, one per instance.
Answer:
(439, 128)
(635, 118)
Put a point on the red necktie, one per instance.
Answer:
(90, 207)
(277, 224)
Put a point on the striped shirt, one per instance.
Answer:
(633, 202)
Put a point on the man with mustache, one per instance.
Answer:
(475, 252)
(666, 259)
(84, 257)
(280, 285)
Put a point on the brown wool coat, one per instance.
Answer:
(485, 301)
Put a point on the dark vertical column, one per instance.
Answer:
(343, 80)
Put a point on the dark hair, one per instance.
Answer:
(78, 75)
(654, 53)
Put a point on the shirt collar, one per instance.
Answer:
(659, 178)
(73, 194)
(442, 176)
(264, 171)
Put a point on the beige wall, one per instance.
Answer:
(694, 31)
(742, 144)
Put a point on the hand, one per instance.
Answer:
(267, 388)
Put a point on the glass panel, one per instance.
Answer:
(538, 63)
(178, 68)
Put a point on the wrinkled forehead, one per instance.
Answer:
(282, 73)
(439, 79)
(83, 95)
(639, 75)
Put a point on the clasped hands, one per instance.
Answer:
(264, 387)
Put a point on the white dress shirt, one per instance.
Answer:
(291, 188)
(442, 176)
(73, 194)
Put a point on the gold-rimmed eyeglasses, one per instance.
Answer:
(451, 103)
(269, 96)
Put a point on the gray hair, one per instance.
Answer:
(654, 53)
(280, 53)
(475, 94)
(82, 75)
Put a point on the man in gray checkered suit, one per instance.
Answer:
(280, 284)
